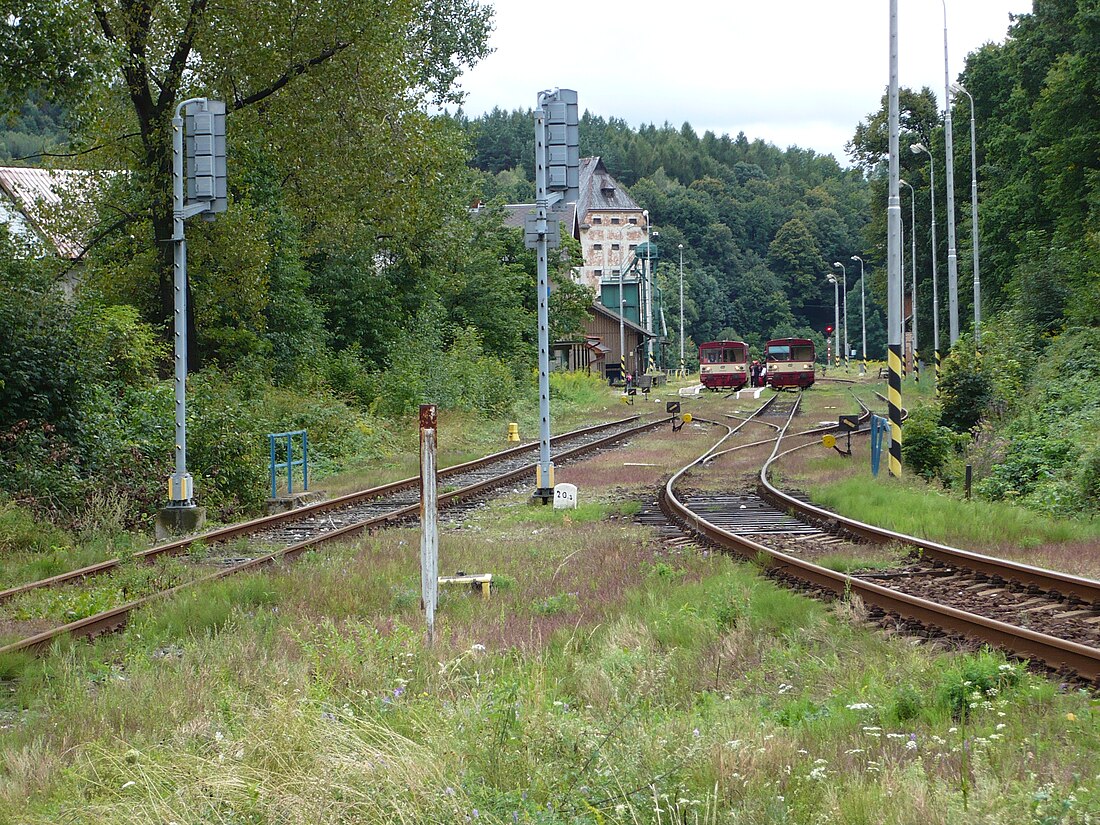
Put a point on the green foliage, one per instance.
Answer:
(577, 388)
(1045, 454)
(905, 705)
(964, 689)
(964, 388)
(426, 367)
(756, 222)
(196, 612)
(21, 530)
(927, 447)
(126, 349)
(553, 605)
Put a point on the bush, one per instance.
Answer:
(965, 390)
(424, 369)
(927, 447)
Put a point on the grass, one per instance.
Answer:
(611, 680)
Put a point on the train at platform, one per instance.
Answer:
(724, 365)
(788, 362)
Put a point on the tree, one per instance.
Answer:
(795, 257)
(333, 93)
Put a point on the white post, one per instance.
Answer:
(429, 524)
(952, 258)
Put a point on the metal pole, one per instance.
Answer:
(917, 148)
(862, 308)
(429, 525)
(836, 319)
(901, 297)
(544, 481)
(913, 268)
(847, 347)
(622, 331)
(893, 256)
(648, 293)
(952, 260)
(683, 370)
(181, 486)
(974, 215)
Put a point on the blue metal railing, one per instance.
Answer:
(275, 439)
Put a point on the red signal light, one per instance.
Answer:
(828, 329)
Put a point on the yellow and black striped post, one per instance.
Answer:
(622, 368)
(916, 366)
(652, 364)
(937, 357)
(894, 397)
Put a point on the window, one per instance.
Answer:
(802, 352)
(599, 273)
(614, 247)
(779, 352)
(597, 219)
(616, 220)
(634, 221)
(632, 247)
(720, 355)
(597, 246)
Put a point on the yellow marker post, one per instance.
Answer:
(513, 431)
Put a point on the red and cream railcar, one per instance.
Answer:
(790, 363)
(724, 364)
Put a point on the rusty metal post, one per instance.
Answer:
(429, 525)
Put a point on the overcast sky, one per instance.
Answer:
(791, 72)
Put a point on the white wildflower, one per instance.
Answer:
(861, 706)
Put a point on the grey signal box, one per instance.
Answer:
(205, 151)
(563, 153)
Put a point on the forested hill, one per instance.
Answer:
(761, 226)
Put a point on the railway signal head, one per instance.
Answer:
(829, 329)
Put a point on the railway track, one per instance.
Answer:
(1036, 614)
(284, 536)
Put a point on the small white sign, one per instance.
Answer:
(565, 496)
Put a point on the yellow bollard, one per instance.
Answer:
(513, 431)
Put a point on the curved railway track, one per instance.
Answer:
(308, 527)
(1030, 612)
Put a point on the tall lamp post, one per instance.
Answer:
(958, 87)
(916, 149)
(844, 275)
(952, 258)
(913, 261)
(862, 310)
(836, 316)
(683, 370)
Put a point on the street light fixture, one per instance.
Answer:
(913, 260)
(862, 309)
(836, 315)
(647, 307)
(952, 259)
(916, 149)
(683, 371)
(956, 88)
(847, 347)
